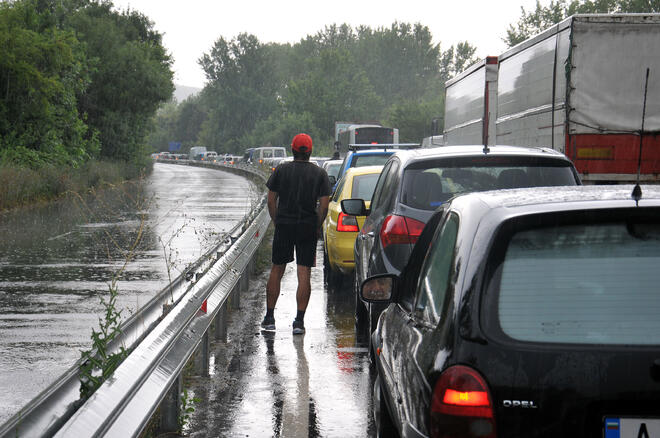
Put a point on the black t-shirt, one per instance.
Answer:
(299, 184)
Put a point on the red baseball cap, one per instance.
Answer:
(302, 143)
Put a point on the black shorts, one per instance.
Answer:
(301, 236)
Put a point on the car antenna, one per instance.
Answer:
(637, 190)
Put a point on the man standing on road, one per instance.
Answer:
(293, 191)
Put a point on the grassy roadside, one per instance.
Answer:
(21, 186)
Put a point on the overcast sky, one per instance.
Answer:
(190, 28)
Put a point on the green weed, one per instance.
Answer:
(187, 408)
(98, 363)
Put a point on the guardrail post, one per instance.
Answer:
(234, 295)
(202, 356)
(170, 407)
(221, 324)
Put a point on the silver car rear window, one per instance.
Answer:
(586, 284)
(428, 184)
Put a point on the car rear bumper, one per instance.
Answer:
(340, 251)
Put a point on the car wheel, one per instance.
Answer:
(331, 276)
(370, 326)
(361, 315)
(326, 265)
(382, 418)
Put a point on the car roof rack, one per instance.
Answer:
(361, 146)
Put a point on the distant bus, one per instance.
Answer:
(365, 134)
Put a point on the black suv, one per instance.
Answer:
(414, 183)
(525, 313)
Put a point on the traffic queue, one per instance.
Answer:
(499, 296)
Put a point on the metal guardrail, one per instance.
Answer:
(160, 346)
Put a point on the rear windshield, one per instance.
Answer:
(428, 184)
(363, 186)
(588, 284)
(374, 135)
(369, 160)
(333, 169)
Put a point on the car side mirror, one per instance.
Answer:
(379, 288)
(354, 207)
(332, 179)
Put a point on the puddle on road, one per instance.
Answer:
(278, 384)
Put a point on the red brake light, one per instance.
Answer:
(465, 398)
(346, 222)
(400, 229)
(462, 405)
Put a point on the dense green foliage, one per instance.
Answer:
(260, 94)
(542, 17)
(78, 81)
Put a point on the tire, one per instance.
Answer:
(382, 419)
(326, 265)
(332, 277)
(372, 323)
(361, 313)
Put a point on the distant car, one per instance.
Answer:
(416, 182)
(525, 313)
(230, 160)
(339, 229)
(211, 156)
(332, 169)
(265, 155)
(276, 162)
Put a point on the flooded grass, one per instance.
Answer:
(21, 186)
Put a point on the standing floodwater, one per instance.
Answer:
(57, 260)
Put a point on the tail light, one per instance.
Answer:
(346, 222)
(400, 229)
(462, 405)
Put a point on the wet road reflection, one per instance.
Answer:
(57, 260)
(281, 385)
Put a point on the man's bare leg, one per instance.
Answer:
(273, 285)
(304, 287)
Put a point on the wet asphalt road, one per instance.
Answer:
(57, 260)
(281, 385)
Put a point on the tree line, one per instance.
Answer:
(78, 81)
(264, 93)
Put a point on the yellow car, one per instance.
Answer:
(340, 230)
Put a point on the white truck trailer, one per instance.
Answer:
(581, 88)
(470, 105)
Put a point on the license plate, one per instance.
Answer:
(630, 427)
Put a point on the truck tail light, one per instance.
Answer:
(400, 229)
(346, 222)
(462, 405)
